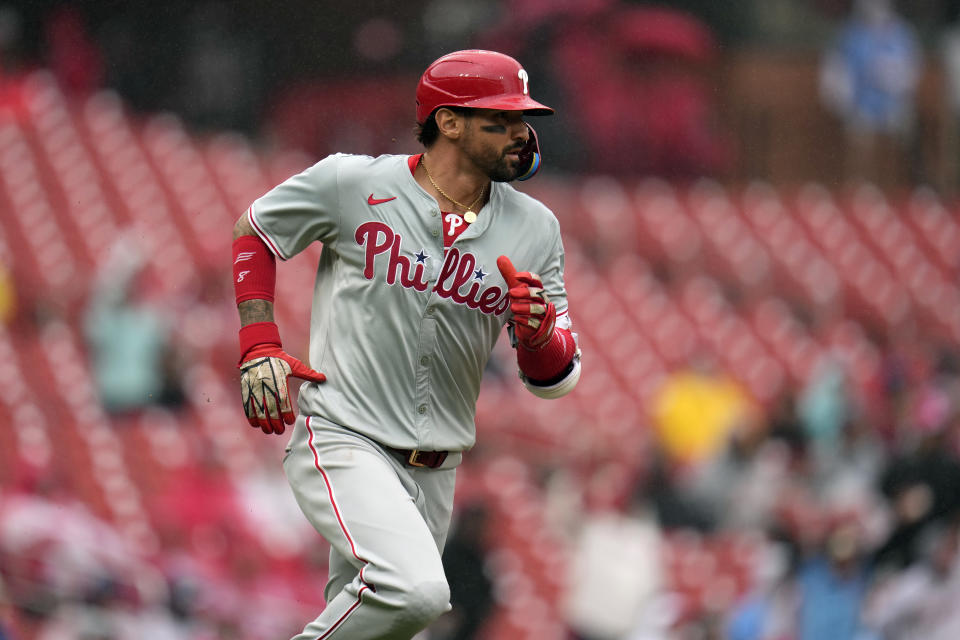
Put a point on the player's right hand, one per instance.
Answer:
(264, 371)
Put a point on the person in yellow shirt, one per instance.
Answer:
(8, 295)
(696, 409)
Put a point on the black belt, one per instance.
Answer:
(418, 458)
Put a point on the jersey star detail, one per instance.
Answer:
(459, 270)
(373, 201)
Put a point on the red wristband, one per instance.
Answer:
(549, 361)
(254, 269)
(258, 333)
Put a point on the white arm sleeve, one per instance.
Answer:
(557, 389)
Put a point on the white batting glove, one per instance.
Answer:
(264, 387)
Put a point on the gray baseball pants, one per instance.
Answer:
(386, 523)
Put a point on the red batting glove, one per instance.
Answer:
(264, 371)
(534, 316)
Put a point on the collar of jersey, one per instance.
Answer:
(488, 210)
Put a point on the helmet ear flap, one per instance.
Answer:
(530, 159)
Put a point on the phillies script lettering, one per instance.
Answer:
(458, 270)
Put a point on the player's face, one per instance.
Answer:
(492, 141)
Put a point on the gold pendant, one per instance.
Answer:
(470, 217)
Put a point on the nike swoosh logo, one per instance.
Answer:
(371, 200)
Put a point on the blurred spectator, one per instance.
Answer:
(869, 79)
(920, 482)
(742, 485)
(824, 404)
(97, 613)
(833, 583)
(471, 588)
(8, 295)
(921, 602)
(127, 335)
(696, 409)
(614, 599)
(768, 611)
(847, 475)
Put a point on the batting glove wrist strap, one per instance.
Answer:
(256, 334)
(549, 364)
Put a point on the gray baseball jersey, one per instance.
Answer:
(401, 327)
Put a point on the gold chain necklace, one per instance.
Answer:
(469, 217)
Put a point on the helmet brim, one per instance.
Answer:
(528, 105)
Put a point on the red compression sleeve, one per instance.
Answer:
(254, 269)
(546, 364)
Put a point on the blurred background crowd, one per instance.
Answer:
(759, 206)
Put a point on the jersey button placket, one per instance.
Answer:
(424, 359)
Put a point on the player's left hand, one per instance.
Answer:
(534, 316)
(264, 372)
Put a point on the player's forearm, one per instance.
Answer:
(254, 281)
(254, 274)
(255, 311)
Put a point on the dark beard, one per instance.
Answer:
(503, 173)
(495, 166)
(499, 169)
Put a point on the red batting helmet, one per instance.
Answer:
(477, 79)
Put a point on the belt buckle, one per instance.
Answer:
(412, 460)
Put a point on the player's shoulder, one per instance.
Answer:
(356, 169)
(347, 163)
(533, 209)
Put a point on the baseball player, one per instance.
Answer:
(414, 284)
